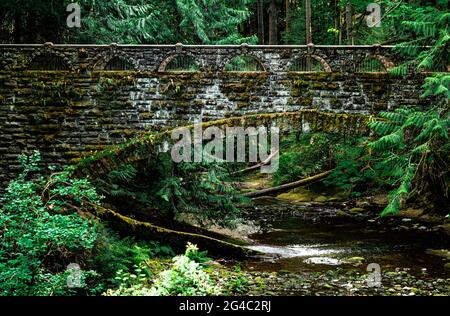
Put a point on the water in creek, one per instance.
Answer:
(299, 244)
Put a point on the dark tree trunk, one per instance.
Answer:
(288, 9)
(260, 18)
(337, 21)
(308, 21)
(288, 186)
(348, 18)
(18, 27)
(273, 30)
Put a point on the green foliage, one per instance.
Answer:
(415, 23)
(237, 283)
(131, 283)
(42, 231)
(114, 254)
(173, 189)
(351, 172)
(194, 254)
(414, 148)
(428, 37)
(47, 223)
(186, 278)
(301, 158)
(414, 144)
(124, 21)
(151, 21)
(322, 19)
(214, 21)
(438, 85)
(32, 21)
(410, 152)
(244, 63)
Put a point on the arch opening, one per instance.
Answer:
(309, 64)
(118, 63)
(48, 62)
(244, 63)
(370, 65)
(180, 63)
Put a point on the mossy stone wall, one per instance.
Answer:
(66, 114)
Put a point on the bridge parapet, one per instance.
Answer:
(275, 59)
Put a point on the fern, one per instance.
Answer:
(390, 141)
(152, 21)
(397, 196)
(427, 48)
(411, 143)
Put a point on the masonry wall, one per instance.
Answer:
(67, 113)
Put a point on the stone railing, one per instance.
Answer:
(274, 59)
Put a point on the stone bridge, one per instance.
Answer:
(69, 99)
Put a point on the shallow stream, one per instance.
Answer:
(301, 242)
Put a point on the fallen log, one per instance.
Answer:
(288, 186)
(176, 239)
(254, 167)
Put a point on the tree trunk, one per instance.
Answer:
(341, 28)
(288, 10)
(337, 21)
(265, 162)
(288, 186)
(176, 239)
(308, 21)
(260, 18)
(273, 36)
(18, 27)
(348, 18)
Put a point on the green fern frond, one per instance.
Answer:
(388, 141)
(382, 127)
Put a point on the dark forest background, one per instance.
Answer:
(209, 21)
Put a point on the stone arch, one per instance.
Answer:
(250, 61)
(117, 57)
(187, 60)
(118, 63)
(48, 59)
(325, 66)
(373, 63)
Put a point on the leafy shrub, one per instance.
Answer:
(131, 284)
(194, 254)
(237, 283)
(186, 278)
(42, 231)
(114, 254)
